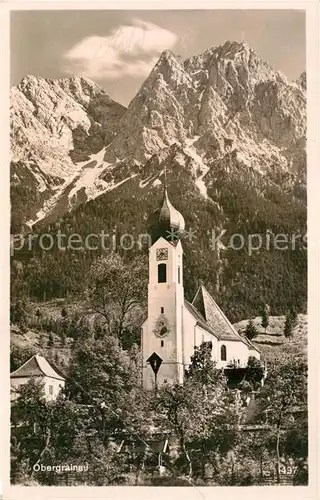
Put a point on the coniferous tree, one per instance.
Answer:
(251, 331)
(64, 312)
(294, 317)
(265, 317)
(63, 339)
(50, 340)
(18, 314)
(290, 323)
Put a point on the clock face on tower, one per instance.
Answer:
(161, 328)
(162, 254)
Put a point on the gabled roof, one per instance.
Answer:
(157, 445)
(36, 366)
(214, 318)
(251, 346)
(198, 316)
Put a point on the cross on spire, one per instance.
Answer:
(165, 177)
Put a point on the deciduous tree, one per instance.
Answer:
(283, 395)
(117, 289)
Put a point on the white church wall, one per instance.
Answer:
(165, 375)
(236, 351)
(193, 336)
(254, 353)
(189, 336)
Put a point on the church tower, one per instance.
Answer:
(162, 332)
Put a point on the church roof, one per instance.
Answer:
(166, 220)
(170, 216)
(206, 311)
(36, 366)
(200, 319)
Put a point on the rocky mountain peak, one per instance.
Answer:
(225, 102)
(54, 125)
(302, 80)
(156, 116)
(167, 56)
(232, 48)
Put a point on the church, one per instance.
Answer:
(174, 326)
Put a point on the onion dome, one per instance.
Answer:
(166, 221)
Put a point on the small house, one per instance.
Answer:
(38, 368)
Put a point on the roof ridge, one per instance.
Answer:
(212, 314)
(195, 295)
(194, 307)
(37, 356)
(43, 365)
(205, 324)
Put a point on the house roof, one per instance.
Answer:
(36, 366)
(157, 445)
(209, 315)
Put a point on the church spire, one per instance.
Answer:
(166, 218)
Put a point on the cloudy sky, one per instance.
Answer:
(117, 49)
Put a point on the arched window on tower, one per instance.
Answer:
(162, 273)
(179, 277)
(223, 353)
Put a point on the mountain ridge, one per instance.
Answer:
(223, 101)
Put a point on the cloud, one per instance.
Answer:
(129, 50)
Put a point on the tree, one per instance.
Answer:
(28, 424)
(256, 457)
(265, 317)
(251, 331)
(38, 314)
(202, 414)
(50, 340)
(43, 431)
(254, 372)
(290, 323)
(202, 367)
(100, 370)
(63, 339)
(64, 312)
(284, 393)
(294, 317)
(116, 289)
(18, 314)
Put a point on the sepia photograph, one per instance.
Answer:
(158, 288)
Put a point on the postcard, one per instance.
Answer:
(159, 305)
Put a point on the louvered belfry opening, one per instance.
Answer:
(162, 273)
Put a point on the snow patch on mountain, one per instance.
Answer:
(200, 169)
